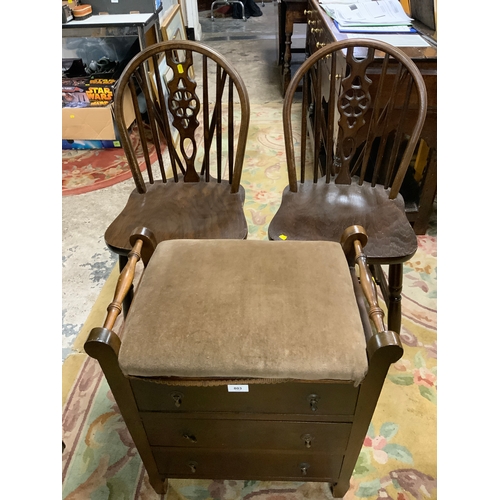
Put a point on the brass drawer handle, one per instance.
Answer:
(303, 468)
(308, 439)
(190, 437)
(307, 12)
(177, 397)
(319, 45)
(316, 30)
(311, 22)
(192, 466)
(313, 401)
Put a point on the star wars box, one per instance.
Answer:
(90, 90)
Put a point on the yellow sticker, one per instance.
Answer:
(116, 143)
(283, 237)
(71, 116)
(180, 69)
(70, 1)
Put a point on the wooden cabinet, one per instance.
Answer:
(284, 431)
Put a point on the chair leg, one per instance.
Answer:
(395, 289)
(391, 291)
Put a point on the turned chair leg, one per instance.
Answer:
(395, 289)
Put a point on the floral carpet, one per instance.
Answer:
(85, 170)
(398, 460)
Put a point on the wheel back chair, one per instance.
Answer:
(190, 102)
(363, 106)
(247, 360)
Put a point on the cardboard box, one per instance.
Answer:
(124, 6)
(71, 144)
(95, 123)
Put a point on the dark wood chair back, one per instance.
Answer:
(175, 87)
(370, 121)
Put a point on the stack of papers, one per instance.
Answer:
(368, 16)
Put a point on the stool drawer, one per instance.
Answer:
(172, 431)
(242, 464)
(293, 398)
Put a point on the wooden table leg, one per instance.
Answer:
(287, 56)
(281, 30)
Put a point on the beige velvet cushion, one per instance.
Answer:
(244, 309)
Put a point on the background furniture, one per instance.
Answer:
(184, 97)
(290, 12)
(367, 121)
(247, 359)
(114, 25)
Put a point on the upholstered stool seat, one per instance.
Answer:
(247, 360)
(245, 309)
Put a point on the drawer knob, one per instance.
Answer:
(307, 12)
(177, 397)
(319, 45)
(308, 439)
(192, 466)
(303, 468)
(313, 401)
(190, 437)
(316, 30)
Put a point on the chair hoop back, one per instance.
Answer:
(174, 87)
(368, 100)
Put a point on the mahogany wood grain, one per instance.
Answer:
(222, 433)
(336, 399)
(267, 465)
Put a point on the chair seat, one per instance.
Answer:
(245, 309)
(178, 210)
(322, 212)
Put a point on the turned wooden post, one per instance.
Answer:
(382, 348)
(123, 285)
(104, 345)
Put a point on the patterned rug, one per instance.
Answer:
(85, 170)
(398, 460)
